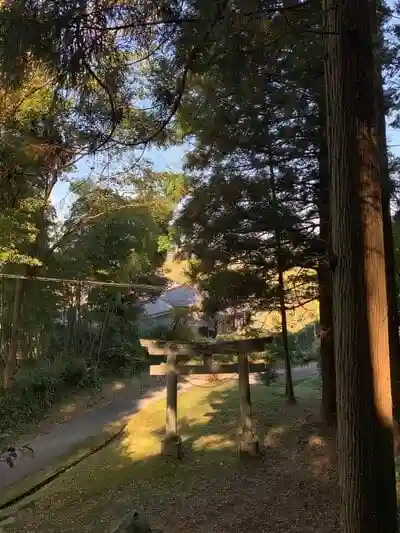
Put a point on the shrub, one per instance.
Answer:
(269, 376)
(38, 386)
(303, 347)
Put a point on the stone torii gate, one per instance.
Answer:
(177, 354)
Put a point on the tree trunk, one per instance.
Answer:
(361, 327)
(391, 285)
(248, 440)
(11, 365)
(327, 355)
(281, 287)
(392, 300)
(394, 340)
(285, 340)
(20, 289)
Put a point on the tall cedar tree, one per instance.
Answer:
(378, 17)
(235, 138)
(280, 261)
(232, 136)
(365, 421)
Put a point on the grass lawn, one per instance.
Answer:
(292, 487)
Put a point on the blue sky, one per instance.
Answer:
(167, 159)
(393, 136)
(393, 140)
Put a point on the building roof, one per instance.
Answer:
(181, 296)
(175, 296)
(158, 307)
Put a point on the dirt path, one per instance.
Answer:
(67, 434)
(62, 437)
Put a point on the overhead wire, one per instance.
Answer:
(138, 286)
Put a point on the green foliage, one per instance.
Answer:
(109, 237)
(99, 61)
(303, 347)
(255, 156)
(66, 359)
(40, 386)
(54, 108)
(75, 333)
(179, 326)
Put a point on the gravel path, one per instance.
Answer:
(63, 437)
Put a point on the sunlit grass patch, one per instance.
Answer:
(131, 472)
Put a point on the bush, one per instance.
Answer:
(269, 376)
(60, 357)
(121, 355)
(303, 347)
(39, 386)
(180, 329)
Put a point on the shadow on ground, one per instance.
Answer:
(63, 438)
(291, 487)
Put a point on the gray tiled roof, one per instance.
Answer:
(177, 296)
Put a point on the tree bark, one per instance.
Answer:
(281, 287)
(248, 440)
(172, 442)
(394, 340)
(391, 286)
(361, 325)
(327, 354)
(21, 285)
(11, 365)
(392, 300)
